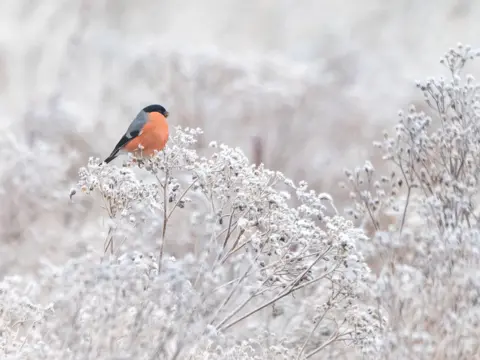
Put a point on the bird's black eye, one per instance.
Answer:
(166, 113)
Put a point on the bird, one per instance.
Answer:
(147, 132)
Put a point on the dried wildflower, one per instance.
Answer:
(267, 244)
(424, 233)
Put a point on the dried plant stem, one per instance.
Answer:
(181, 198)
(291, 288)
(165, 218)
(109, 241)
(229, 229)
(404, 215)
(332, 339)
(235, 287)
(302, 349)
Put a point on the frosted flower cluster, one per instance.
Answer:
(423, 219)
(271, 270)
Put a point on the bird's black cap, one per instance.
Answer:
(156, 108)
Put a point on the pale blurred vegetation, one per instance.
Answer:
(312, 82)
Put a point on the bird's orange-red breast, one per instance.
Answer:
(147, 132)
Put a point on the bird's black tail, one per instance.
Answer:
(124, 140)
(112, 156)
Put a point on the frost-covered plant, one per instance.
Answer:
(265, 254)
(118, 309)
(428, 256)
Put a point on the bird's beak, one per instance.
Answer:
(166, 114)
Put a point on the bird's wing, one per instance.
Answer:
(132, 132)
(137, 125)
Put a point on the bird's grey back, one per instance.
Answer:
(137, 125)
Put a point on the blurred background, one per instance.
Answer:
(303, 86)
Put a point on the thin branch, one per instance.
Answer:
(333, 338)
(299, 277)
(282, 294)
(409, 191)
(109, 242)
(229, 296)
(165, 219)
(181, 198)
(229, 231)
(302, 349)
